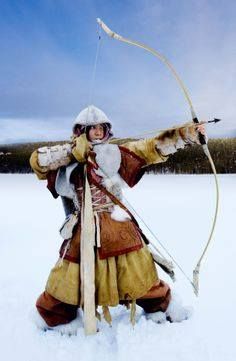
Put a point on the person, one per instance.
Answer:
(124, 268)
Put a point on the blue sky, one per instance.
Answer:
(48, 49)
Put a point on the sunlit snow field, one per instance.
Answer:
(179, 210)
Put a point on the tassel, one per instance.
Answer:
(127, 305)
(195, 282)
(59, 263)
(97, 225)
(133, 312)
(98, 315)
(162, 262)
(106, 314)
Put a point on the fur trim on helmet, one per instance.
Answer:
(88, 117)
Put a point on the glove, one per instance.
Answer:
(81, 148)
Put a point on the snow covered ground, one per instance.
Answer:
(179, 209)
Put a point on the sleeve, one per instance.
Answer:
(132, 166)
(46, 159)
(147, 150)
(157, 149)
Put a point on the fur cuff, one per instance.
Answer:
(169, 141)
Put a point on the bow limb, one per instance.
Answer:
(116, 36)
(196, 270)
(202, 140)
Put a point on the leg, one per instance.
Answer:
(156, 299)
(53, 311)
(160, 305)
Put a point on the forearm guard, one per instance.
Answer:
(54, 157)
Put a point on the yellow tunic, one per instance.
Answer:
(125, 277)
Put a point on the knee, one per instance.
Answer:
(157, 298)
(53, 311)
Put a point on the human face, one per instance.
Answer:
(96, 132)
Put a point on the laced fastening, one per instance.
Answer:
(100, 201)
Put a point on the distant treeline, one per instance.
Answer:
(14, 158)
(192, 160)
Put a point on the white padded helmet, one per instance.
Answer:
(91, 116)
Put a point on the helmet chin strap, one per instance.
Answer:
(97, 141)
(100, 141)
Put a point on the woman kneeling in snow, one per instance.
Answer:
(88, 175)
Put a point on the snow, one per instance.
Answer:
(179, 210)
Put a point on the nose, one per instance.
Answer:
(98, 131)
